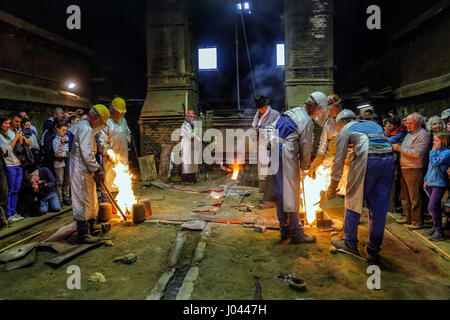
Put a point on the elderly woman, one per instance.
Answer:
(435, 125)
(413, 151)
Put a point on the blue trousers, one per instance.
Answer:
(52, 205)
(377, 189)
(14, 180)
(289, 221)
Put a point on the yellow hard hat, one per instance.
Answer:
(120, 105)
(102, 111)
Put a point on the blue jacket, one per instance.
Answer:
(398, 137)
(437, 168)
(50, 190)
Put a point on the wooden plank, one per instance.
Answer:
(26, 261)
(66, 256)
(147, 167)
(30, 222)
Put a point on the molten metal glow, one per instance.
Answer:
(313, 189)
(236, 169)
(124, 182)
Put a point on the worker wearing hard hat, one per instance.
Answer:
(370, 178)
(86, 172)
(327, 145)
(116, 136)
(264, 116)
(295, 131)
(190, 161)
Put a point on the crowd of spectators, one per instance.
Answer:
(422, 155)
(34, 171)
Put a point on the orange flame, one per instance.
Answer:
(126, 197)
(236, 169)
(313, 189)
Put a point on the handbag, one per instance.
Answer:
(24, 154)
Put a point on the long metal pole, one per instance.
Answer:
(113, 201)
(238, 89)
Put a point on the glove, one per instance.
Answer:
(314, 165)
(332, 190)
(99, 175)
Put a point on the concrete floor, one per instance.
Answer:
(234, 255)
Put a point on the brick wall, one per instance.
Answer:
(157, 132)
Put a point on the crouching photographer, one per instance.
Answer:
(43, 183)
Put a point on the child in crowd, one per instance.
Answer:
(436, 182)
(61, 164)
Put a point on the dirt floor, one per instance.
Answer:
(234, 255)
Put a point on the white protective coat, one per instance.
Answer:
(82, 166)
(354, 196)
(262, 122)
(296, 155)
(187, 148)
(116, 137)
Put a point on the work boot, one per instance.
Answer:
(93, 228)
(436, 236)
(341, 244)
(373, 259)
(429, 232)
(83, 234)
(403, 221)
(303, 239)
(284, 231)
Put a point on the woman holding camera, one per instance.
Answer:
(8, 140)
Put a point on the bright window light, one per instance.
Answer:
(207, 59)
(246, 6)
(239, 6)
(280, 55)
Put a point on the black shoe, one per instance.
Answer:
(429, 232)
(341, 244)
(304, 239)
(67, 203)
(436, 236)
(373, 259)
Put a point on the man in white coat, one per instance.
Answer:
(295, 142)
(264, 117)
(370, 178)
(115, 136)
(189, 168)
(86, 172)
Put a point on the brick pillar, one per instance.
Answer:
(172, 60)
(309, 49)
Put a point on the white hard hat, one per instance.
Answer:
(445, 114)
(345, 114)
(320, 98)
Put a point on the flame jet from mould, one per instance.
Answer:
(123, 180)
(236, 169)
(313, 189)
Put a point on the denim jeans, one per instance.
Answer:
(52, 205)
(14, 179)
